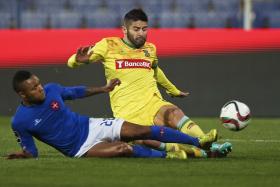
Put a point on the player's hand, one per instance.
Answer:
(180, 94)
(183, 94)
(83, 54)
(112, 84)
(18, 155)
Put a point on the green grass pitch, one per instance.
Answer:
(255, 161)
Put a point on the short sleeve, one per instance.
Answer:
(154, 57)
(100, 48)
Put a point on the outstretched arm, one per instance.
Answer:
(170, 88)
(70, 93)
(110, 86)
(26, 141)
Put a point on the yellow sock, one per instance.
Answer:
(192, 129)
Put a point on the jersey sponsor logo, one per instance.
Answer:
(132, 63)
(55, 105)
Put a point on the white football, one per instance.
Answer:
(235, 115)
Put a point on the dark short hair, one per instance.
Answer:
(135, 15)
(18, 78)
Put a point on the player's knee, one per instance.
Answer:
(131, 131)
(172, 116)
(139, 132)
(178, 113)
(143, 132)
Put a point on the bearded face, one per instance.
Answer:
(136, 33)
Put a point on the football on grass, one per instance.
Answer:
(235, 115)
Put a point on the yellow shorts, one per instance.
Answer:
(145, 116)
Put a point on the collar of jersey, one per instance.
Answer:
(129, 45)
(33, 105)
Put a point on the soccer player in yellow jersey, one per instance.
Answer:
(134, 61)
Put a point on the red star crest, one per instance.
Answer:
(55, 105)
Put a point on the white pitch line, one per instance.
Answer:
(251, 140)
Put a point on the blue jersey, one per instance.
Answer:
(52, 122)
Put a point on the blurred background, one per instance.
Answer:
(218, 50)
(162, 13)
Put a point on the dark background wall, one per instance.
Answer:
(212, 80)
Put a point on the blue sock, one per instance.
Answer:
(145, 152)
(166, 134)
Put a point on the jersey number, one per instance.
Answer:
(107, 122)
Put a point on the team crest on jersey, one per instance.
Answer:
(132, 63)
(55, 105)
(146, 52)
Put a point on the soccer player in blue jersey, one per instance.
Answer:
(43, 114)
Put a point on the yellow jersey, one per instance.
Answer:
(136, 68)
